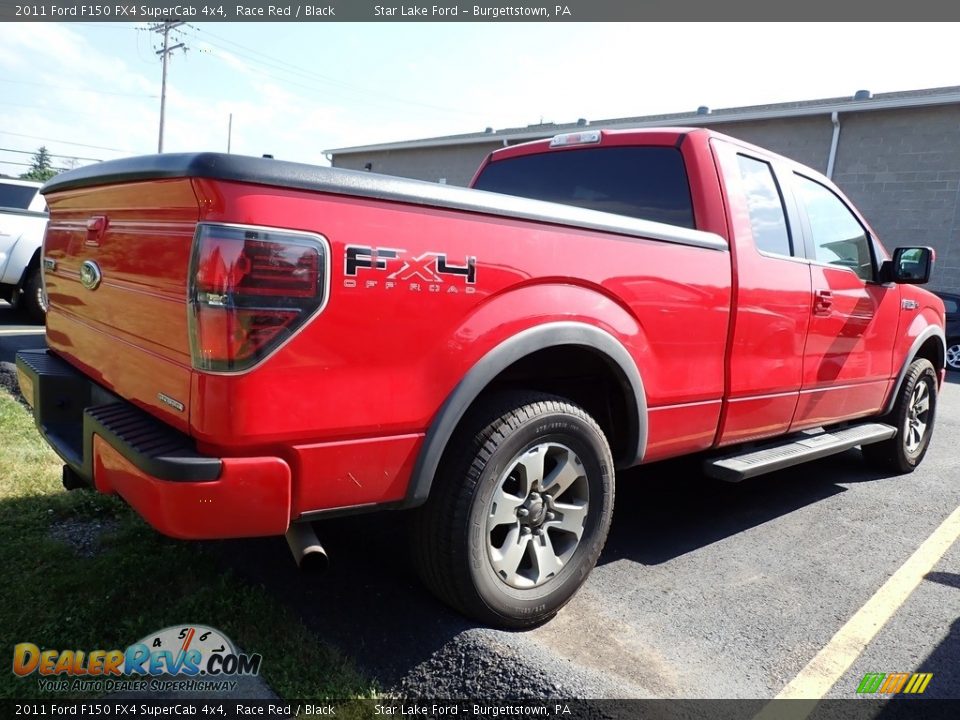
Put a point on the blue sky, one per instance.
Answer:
(91, 91)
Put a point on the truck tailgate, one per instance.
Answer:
(116, 261)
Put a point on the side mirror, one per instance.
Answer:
(910, 266)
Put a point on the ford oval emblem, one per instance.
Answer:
(90, 275)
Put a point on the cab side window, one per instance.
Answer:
(767, 219)
(838, 237)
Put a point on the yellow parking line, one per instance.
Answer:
(829, 665)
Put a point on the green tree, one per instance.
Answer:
(41, 166)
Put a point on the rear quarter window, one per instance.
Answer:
(642, 182)
(18, 197)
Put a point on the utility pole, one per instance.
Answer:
(229, 132)
(165, 27)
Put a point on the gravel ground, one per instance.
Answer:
(8, 380)
(82, 536)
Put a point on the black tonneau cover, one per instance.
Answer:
(279, 173)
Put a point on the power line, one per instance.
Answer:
(78, 89)
(66, 157)
(25, 105)
(270, 60)
(20, 164)
(64, 142)
(283, 66)
(351, 91)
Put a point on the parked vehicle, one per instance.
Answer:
(952, 305)
(240, 346)
(23, 220)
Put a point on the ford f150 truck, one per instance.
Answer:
(242, 346)
(23, 220)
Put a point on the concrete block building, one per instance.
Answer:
(896, 155)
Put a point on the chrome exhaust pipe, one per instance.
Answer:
(307, 551)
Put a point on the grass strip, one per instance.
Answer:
(81, 570)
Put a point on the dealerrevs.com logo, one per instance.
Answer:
(183, 658)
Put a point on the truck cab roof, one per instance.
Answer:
(599, 136)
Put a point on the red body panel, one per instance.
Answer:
(353, 472)
(379, 361)
(725, 341)
(848, 357)
(635, 289)
(250, 498)
(770, 320)
(130, 335)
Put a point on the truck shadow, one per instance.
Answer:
(943, 663)
(10, 317)
(371, 605)
(667, 509)
(11, 337)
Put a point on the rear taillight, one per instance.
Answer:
(250, 290)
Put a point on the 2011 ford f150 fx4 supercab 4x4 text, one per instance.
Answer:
(241, 346)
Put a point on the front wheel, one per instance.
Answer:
(953, 354)
(519, 510)
(913, 414)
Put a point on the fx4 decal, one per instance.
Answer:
(428, 271)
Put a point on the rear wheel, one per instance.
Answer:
(913, 414)
(519, 510)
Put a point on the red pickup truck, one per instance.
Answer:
(241, 346)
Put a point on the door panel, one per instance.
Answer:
(847, 358)
(848, 353)
(772, 301)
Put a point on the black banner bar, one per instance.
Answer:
(857, 11)
(852, 709)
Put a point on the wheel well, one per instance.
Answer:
(575, 360)
(932, 350)
(582, 375)
(31, 266)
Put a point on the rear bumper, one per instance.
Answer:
(117, 448)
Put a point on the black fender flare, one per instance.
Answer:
(929, 332)
(526, 342)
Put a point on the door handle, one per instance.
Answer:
(822, 302)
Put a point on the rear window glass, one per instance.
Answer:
(16, 196)
(641, 182)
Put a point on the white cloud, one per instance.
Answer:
(419, 82)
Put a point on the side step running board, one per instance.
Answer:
(798, 448)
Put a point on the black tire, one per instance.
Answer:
(453, 546)
(953, 354)
(33, 303)
(904, 452)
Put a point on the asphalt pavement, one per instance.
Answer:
(17, 334)
(705, 589)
